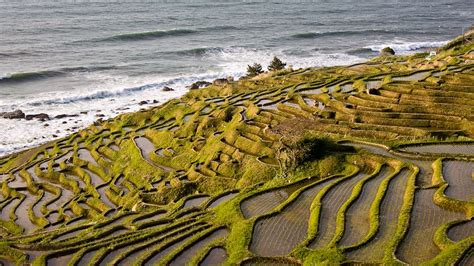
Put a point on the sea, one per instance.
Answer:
(91, 59)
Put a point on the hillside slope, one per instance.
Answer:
(369, 163)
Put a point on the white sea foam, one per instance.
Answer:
(113, 95)
(406, 47)
(236, 59)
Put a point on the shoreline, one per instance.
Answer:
(131, 108)
(145, 105)
(90, 117)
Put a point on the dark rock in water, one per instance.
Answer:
(166, 88)
(17, 114)
(156, 101)
(387, 51)
(100, 115)
(198, 84)
(64, 116)
(41, 117)
(143, 102)
(46, 125)
(55, 136)
(84, 112)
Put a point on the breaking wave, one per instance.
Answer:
(43, 74)
(29, 76)
(157, 34)
(312, 35)
(147, 35)
(401, 46)
(200, 51)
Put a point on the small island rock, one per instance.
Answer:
(387, 51)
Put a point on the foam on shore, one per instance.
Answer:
(114, 95)
(403, 47)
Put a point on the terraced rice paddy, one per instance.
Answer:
(370, 163)
(265, 202)
(461, 230)
(459, 176)
(452, 149)
(389, 211)
(426, 218)
(277, 235)
(357, 215)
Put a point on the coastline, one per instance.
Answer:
(89, 117)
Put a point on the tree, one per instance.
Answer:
(254, 70)
(276, 64)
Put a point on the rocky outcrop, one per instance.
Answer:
(41, 117)
(166, 88)
(17, 114)
(198, 84)
(220, 82)
(61, 116)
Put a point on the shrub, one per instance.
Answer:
(312, 148)
(254, 70)
(276, 64)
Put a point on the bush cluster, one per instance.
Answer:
(257, 69)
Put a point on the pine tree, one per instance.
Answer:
(276, 64)
(254, 70)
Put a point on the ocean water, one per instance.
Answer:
(87, 58)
